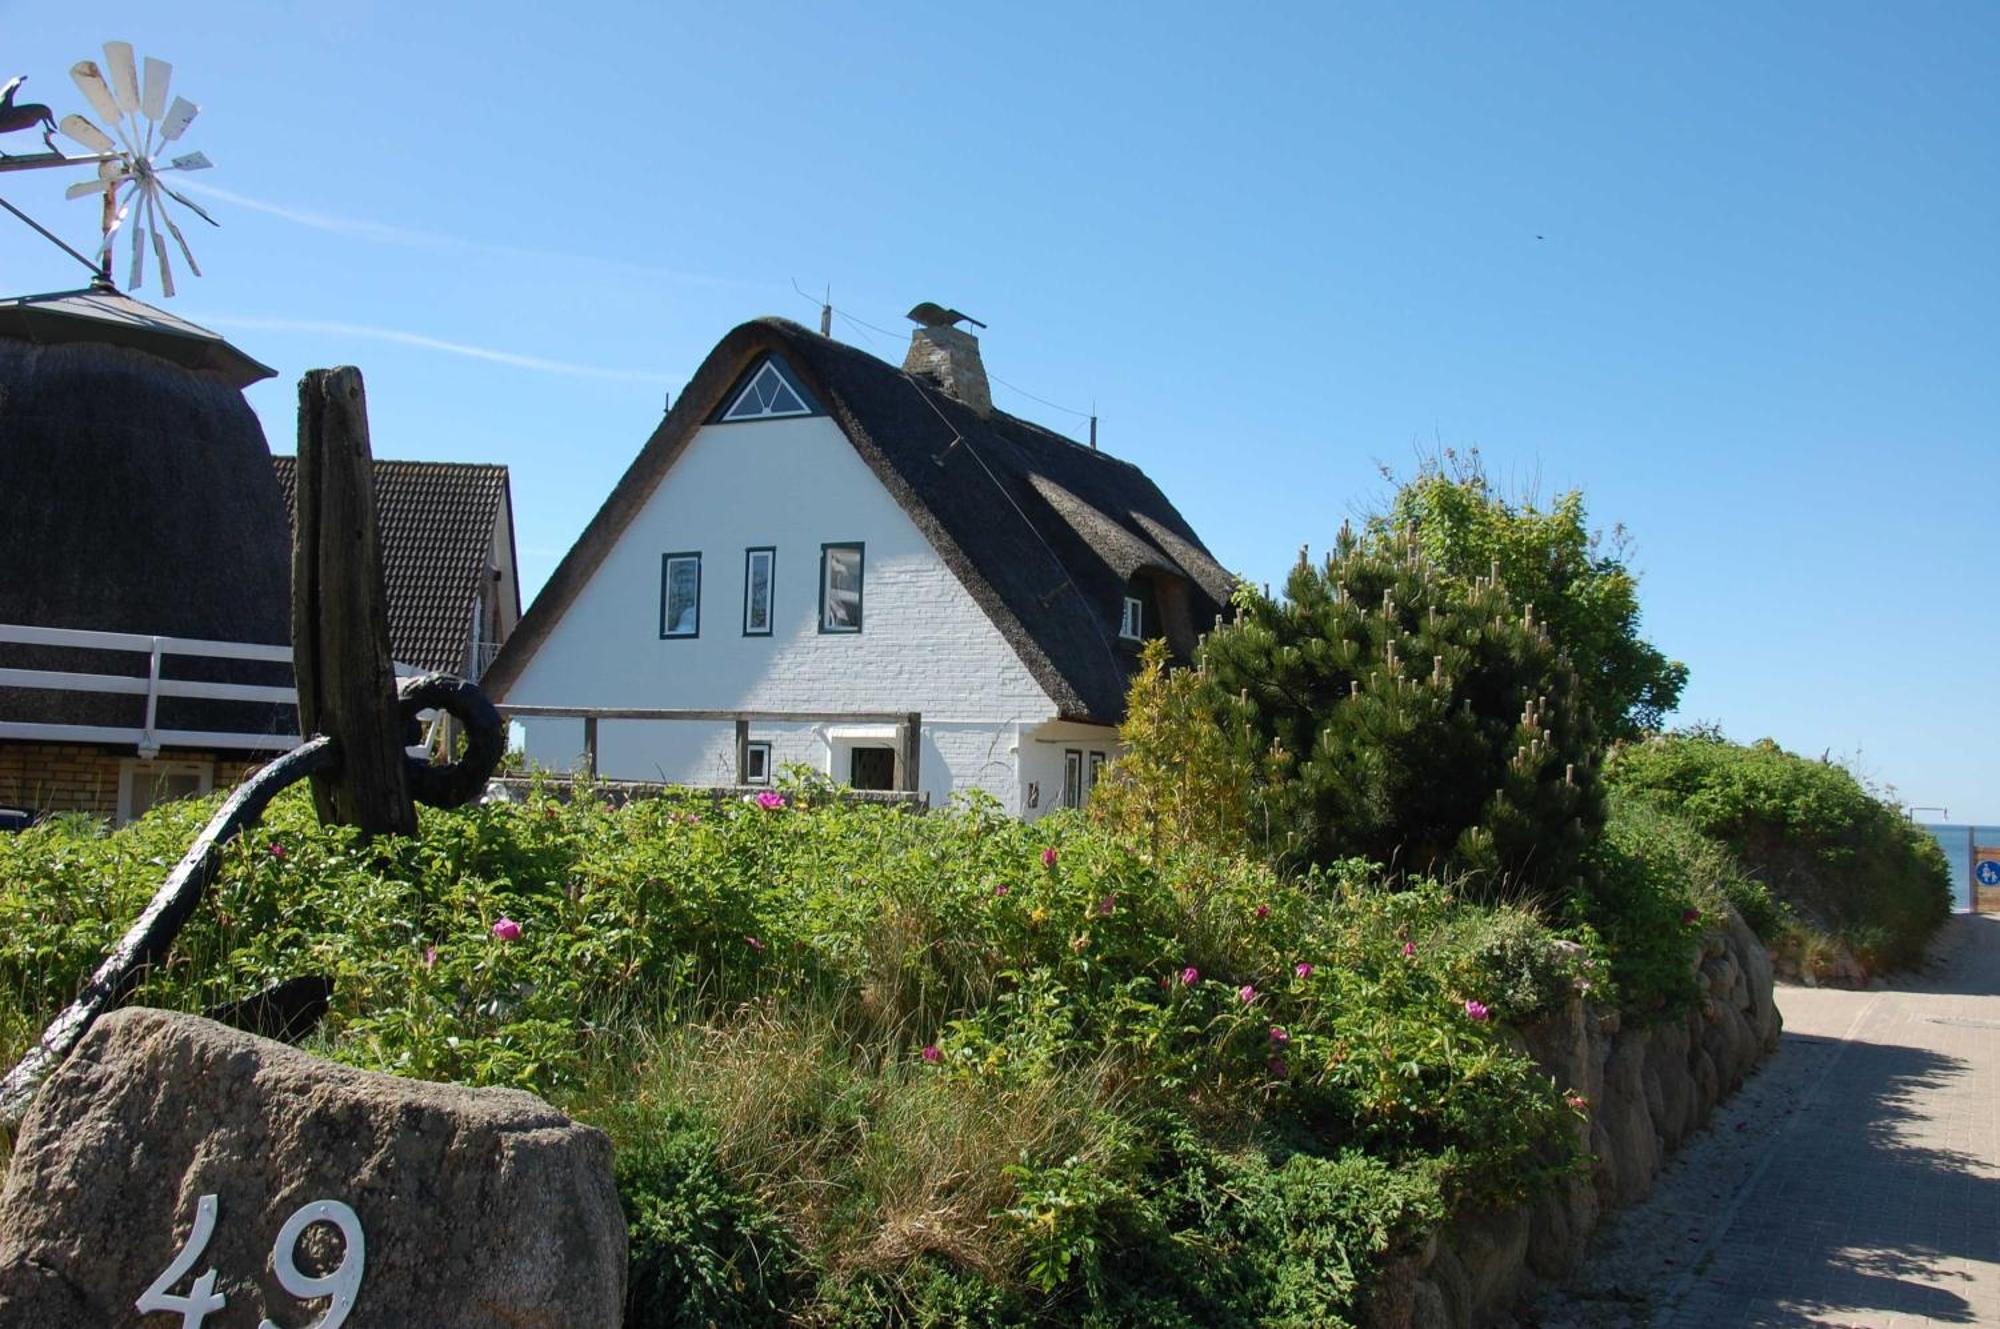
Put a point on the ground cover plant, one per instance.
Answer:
(866, 1067)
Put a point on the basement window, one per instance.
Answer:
(757, 764)
(770, 393)
(144, 785)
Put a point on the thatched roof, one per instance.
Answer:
(436, 520)
(138, 497)
(1045, 533)
(109, 318)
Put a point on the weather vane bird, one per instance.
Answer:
(138, 125)
(25, 115)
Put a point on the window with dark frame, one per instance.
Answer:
(840, 567)
(1132, 625)
(1096, 773)
(680, 594)
(757, 764)
(760, 567)
(1072, 778)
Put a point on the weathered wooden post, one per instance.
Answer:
(340, 621)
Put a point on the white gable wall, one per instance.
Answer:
(925, 646)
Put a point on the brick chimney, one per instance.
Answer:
(948, 356)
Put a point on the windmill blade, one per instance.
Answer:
(137, 277)
(90, 82)
(186, 253)
(192, 161)
(81, 130)
(190, 205)
(153, 100)
(124, 75)
(89, 187)
(179, 116)
(153, 211)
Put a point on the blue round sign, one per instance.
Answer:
(1987, 873)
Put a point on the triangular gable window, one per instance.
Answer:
(769, 393)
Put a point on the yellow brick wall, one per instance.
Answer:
(64, 777)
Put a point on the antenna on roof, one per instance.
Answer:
(1093, 426)
(826, 314)
(141, 124)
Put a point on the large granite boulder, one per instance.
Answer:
(476, 1207)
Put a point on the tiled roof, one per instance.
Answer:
(436, 520)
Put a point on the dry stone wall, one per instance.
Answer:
(1650, 1087)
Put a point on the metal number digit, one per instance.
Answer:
(202, 1300)
(343, 1284)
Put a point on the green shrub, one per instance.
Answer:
(863, 1066)
(1399, 715)
(1809, 831)
(1581, 588)
(704, 1253)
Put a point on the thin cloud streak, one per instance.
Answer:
(422, 342)
(381, 233)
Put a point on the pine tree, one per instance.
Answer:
(1397, 714)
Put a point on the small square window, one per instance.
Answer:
(840, 588)
(144, 785)
(1132, 626)
(680, 595)
(757, 764)
(759, 572)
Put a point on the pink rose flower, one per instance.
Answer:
(770, 800)
(1049, 857)
(1575, 1101)
(1409, 950)
(1262, 911)
(1190, 976)
(1302, 970)
(932, 1055)
(1000, 889)
(277, 851)
(507, 930)
(1246, 994)
(430, 957)
(754, 944)
(1279, 1036)
(1476, 1010)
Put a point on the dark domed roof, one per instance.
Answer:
(136, 495)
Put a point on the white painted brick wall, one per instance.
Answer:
(793, 484)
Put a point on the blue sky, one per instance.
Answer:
(1729, 269)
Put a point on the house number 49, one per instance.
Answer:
(202, 1300)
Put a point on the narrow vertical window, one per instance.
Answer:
(1095, 774)
(840, 588)
(680, 595)
(759, 569)
(1132, 627)
(1072, 778)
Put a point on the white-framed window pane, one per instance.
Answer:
(757, 764)
(840, 591)
(680, 610)
(1095, 772)
(1072, 778)
(758, 567)
(1131, 626)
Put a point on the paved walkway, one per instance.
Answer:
(1854, 1182)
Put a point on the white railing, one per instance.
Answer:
(148, 738)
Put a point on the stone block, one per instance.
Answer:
(272, 1183)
